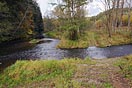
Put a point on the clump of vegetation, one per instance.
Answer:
(57, 73)
(34, 41)
(72, 44)
(97, 38)
(125, 65)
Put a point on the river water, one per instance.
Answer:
(47, 50)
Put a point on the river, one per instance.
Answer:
(47, 50)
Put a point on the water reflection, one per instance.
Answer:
(117, 51)
(79, 53)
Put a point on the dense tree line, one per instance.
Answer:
(20, 19)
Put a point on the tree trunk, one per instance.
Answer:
(122, 6)
(113, 14)
(129, 15)
(117, 10)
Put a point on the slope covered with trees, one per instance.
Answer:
(100, 18)
(19, 19)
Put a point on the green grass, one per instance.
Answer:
(54, 34)
(97, 38)
(56, 73)
(126, 66)
(65, 44)
(64, 73)
(34, 41)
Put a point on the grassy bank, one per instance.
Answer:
(52, 73)
(68, 73)
(97, 38)
(125, 65)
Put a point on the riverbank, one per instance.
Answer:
(97, 38)
(67, 73)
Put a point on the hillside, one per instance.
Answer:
(102, 14)
(20, 19)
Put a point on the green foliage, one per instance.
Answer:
(72, 16)
(5, 23)
(54, 34)
(20, 19)
(27, 72)
(72, 27)
(3, 8)
(108, 85)
(50, 24)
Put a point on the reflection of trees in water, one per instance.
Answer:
(79, 53)
(6, 63)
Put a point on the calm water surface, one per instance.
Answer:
(47, 50)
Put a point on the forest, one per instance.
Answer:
(20, 20)
(65, 47)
